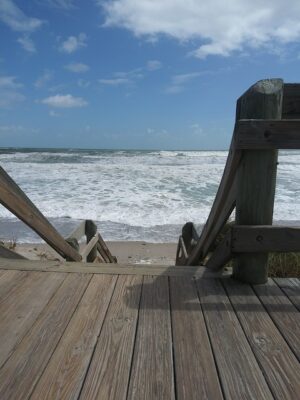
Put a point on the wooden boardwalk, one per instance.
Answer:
(149, 333)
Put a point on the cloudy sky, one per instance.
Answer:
(153, 74)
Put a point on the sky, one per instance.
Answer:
(137, 74)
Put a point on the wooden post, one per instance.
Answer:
(256, 178)
(90, 231)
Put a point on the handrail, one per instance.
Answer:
(16, 201)
(255, 140)
(95, 248)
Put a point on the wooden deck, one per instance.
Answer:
(148, 333)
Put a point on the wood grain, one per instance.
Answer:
(256, 176)
(265, 238)
(251, 134)
(32, 355)
(196, 373)
(152, 369)
(291, 287)
(278, 362)
(221, 254)
(240, 374)
(117, 269)
(16, 201)
(283, 313)
(63, 377)
(9, 281)
(22, 306)
(222, 207)
(108, 375)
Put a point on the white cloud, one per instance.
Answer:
(77, 67)
(43, 79)
(179, 81)
(73, 43)
(114, 81)
(153, 65)
(64, 101)
(16, 19)
(124, 78)
(27, 43)
(221, 27)
(9, 92)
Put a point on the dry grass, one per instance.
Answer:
(284, 265)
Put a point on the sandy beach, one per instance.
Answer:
(133, 252)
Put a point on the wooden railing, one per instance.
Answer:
(16, 201)
(248, 184)
(95, 248)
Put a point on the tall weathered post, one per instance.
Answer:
(256, 180)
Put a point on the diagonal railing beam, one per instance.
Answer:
(16, 201)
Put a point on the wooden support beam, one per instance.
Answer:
(255, 239)
(117, 269)
(86, 251)
(256, 178)
(222, 254)
(222, 208)
(16, 201)
(267, 134)
(91, 232)
(104, 251)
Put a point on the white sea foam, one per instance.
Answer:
(134, 194)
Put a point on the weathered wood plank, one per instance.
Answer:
(256, 176)
(278, 362)
(9, 280)
(103, 249)
(222, 254)
(22, 306)
(88, 247)
(119, 269)
(283, 313)
(16, 201)
(32, 355)
(152, 369)
(91, 232)
(221, 209)
(7, 253)
(196, 374)
(251, 134)
(265, 239)
(108, 375)
(291, 287)
(240, 374)
(64, 375)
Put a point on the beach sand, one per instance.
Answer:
(132, 252)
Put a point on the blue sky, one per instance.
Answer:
(159, 74)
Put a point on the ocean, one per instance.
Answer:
(130, 194)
